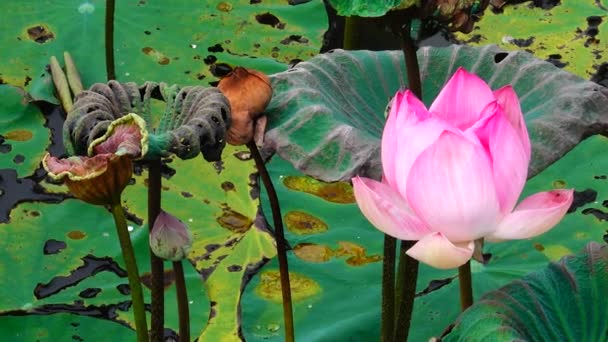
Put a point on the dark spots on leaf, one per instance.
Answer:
(220, 69)
(500, 56)
(230, 243)
(301, 223)
(297, 2)
(594, 20)
(605, 203)
(76, 235)
(53, 246)
(600, 177)
(124, 289)
(146, 32)
(214, 84)
(5, 148)
(257, 45)
(544, 4)
(164, 61)
(212, 247)
(435, 285)
(522, 43)
(254, 2)
(75, 324)
(224, 7)
(600, 77)
(234, 268)
(269, 19)
(234, 221)
(89, 293)
(91, 266)
(336, 192)
(228, 186)
(124, 306)
(77, 338)
(582, 198)
(40, 34)
(216, 48)
(147, 50)
(555, 59)
(292, 63)
(186, 194)
(133, 217)
(600, 215)
(19, 159)
(200, 76)
(210, 59)
(27, 81)
(539, 247)
(294, 38)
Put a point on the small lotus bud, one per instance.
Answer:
(170, 239)
(249, 92)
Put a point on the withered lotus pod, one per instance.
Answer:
(249, 93)
(100, 179)
(194, 121)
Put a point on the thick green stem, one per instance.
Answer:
(388, 289)
(407, 276)
(411, 61)
(466, 287)
(109, 25)
(182, 302)
(281, 244)
(156, 263)
(128, 255)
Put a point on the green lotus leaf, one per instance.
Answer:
(565, 301)
(177, 43)
(195, 119)
(327, 114)
(371, 8)
(572, 34)
(23, 139)
(349, 300)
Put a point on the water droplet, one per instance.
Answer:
(272, 327)
(191, 302)
(105, 234)
(193, 46)
(127, 74)
(310, 306)
(190, 220)
(130, 228)
(86, 8)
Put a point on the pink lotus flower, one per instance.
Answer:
(453, 174)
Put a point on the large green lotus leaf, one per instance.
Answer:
(327, 114)
(572, 34)
(172, 42)
(23, 139)
(566, 300)
(348, 305)
(219, 202)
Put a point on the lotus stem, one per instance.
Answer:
(407, 277)
(156, 263)
(466, 287)
(110, 7)
(388, 289)
(72, 74)
(61, 85)
(182, 302)
(281, 244)
(411, 61)
(133, 274)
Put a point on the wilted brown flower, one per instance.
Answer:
(248, 92)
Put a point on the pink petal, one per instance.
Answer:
(451, 189)
(412, 141)
(76, 167)
(508, 100)
(386, 210)
(406, 110)
(534, 215)
(437, 251)
(462, 99)
(509, 159)
(125, 135)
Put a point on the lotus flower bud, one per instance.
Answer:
(170, 238)
(249, 93)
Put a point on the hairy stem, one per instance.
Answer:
(388, 289)
(110, 6)
(466, 287)
(407, 276)
(156, 263)
(281, 244)
(182, 302)
(128, 255)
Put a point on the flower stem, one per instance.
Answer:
(110, 6)
(156, 263)
(280, 237)
(182, 302)
(128, 255)
(388, 289)
(407, 276)
(466, 287)
(411, 61)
